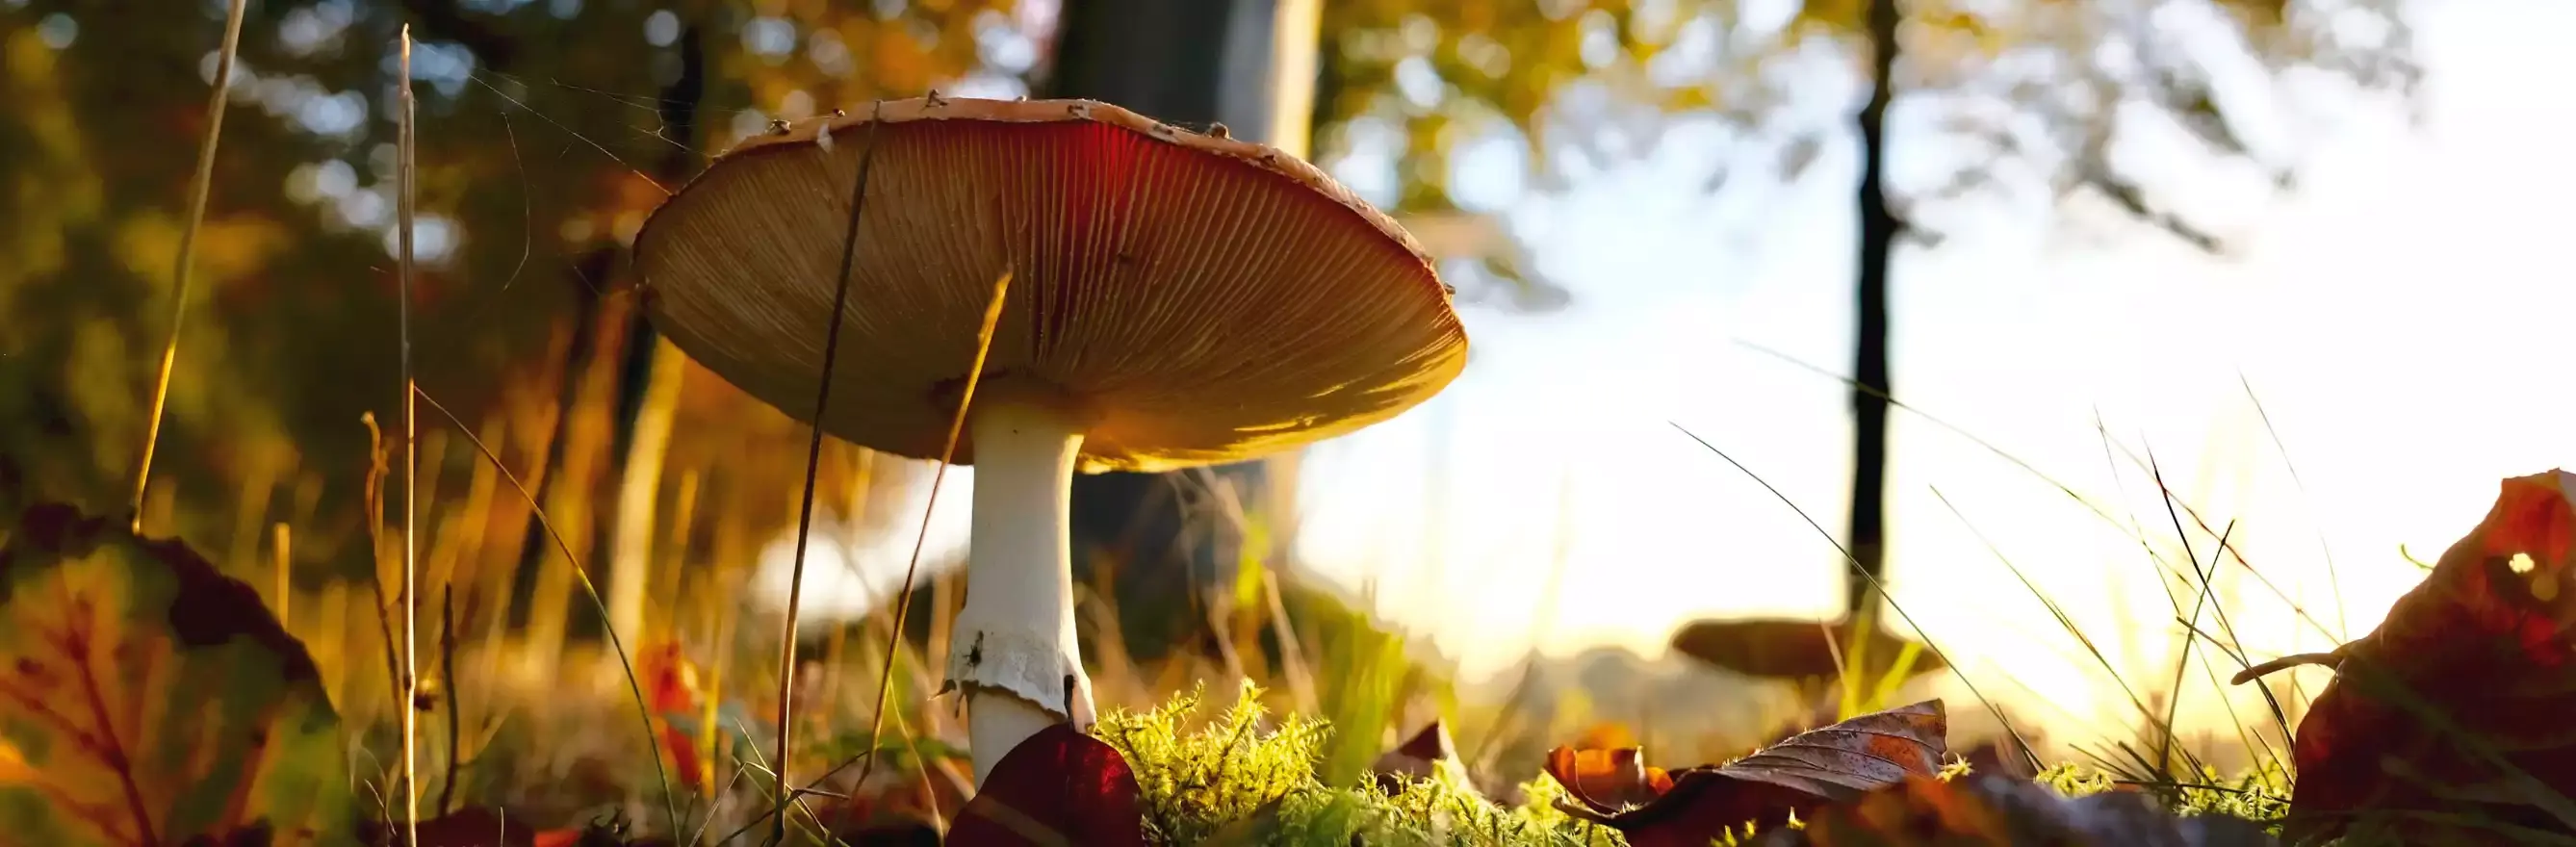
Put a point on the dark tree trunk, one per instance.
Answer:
(1167, 59)
(1878, 231)
(679, 105)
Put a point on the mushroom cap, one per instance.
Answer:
(1191, 299)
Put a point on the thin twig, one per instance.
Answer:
(813, 466)
(374, 498)
(202, 185)
(2264, 669)
(405, 209)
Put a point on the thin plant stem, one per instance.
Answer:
(1881, 590)
(405, 209)
(670, 801)
(200, 186)
(813, 465)
(903, 596)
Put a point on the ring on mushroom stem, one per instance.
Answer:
(1179, 299)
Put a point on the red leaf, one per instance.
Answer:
(1058, 787)
(1830, 764)
(2477, 663)
(671, 687)
(473, 827)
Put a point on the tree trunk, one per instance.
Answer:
(1191, 63)
(1878, 231)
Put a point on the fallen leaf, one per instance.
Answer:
(1693, 805)
(2450, 723)
(153, 700)
(1429, 753)
(1608, 779)
(671, 688)
(1059, 787)
(1976, 810)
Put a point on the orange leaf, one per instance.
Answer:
(2474, 667)
(1608, 779)
(1058, 787)
(1694, 805)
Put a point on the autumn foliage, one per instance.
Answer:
(2455, 721)
(1653, 807)
(2448, 725)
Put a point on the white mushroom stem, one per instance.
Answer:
(1013, 654)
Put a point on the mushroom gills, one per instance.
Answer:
(1013, 654)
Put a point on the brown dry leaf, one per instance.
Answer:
(1692, 806)
(1982, 809)
(1428, 753)
(2451, 722)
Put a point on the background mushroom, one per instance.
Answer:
(1176, 299)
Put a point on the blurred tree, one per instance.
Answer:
(549, 128)
(2042, 92)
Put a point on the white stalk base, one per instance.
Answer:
(1013, 654)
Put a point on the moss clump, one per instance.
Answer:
(2261, 795)
(1233, 780)
(1241, 779)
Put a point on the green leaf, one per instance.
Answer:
(146, 699)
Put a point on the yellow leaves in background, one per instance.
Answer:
(228, 248)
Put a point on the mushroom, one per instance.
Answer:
(1175, 299)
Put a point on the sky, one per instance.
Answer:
(2395, 315)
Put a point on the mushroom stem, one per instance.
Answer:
(1013, 653)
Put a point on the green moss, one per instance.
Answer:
(2261, 795)
(1235, 780)
(1239, 777)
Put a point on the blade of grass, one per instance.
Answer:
(199, 186)
(813, 465)
(2173, 701)
(670, 801)
(2202, 523)
(911, 569)
(406, 208)
(284, 544)
(2234, 646)
(2343, 620)
(1878, 588)
(2064, 620)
